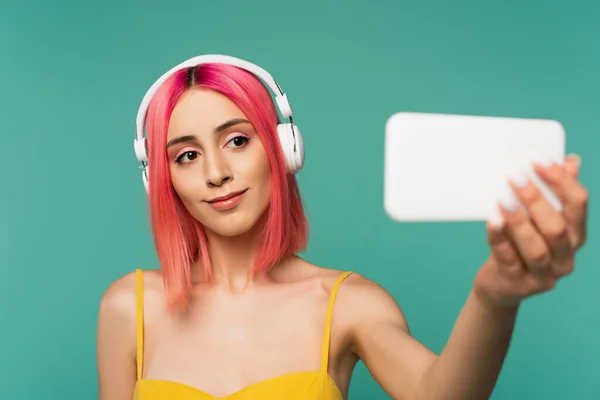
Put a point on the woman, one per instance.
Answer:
(234, 313)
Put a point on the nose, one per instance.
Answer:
(217, 170)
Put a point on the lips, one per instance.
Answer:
(227, 202)
(225, 197)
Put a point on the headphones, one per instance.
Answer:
(289, 135)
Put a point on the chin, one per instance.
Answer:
(235, 224)
(229, 231)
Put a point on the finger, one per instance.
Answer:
(572, 164)
(573, 196)
(546, 220)
(528, 242)
(502, 248)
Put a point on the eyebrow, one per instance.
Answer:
(230, 123)
(218, 129)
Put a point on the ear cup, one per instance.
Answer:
(299, 152)
(145, 179)
(140, 147)
(292, 146)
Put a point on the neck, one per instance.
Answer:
(232, 258)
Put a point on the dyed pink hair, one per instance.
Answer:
(179, 238)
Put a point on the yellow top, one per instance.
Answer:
(304, 385)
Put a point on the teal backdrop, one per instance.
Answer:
(72, 208)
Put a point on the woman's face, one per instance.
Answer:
(217, 162)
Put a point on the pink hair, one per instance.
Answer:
(179, 238)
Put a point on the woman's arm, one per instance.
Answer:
(468, 367)
(471, 362)
(116, 341)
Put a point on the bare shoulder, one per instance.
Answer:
(118, 301)
(116, 336)
(118, 304)
(364, 312)
(360, 302)
(363, 303)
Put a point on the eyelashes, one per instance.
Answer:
(180, 158)
(236, 142)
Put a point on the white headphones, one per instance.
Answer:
(290, 138)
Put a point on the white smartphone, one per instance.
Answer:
(442, 167)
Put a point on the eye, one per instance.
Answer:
(238, 141)
(186, 157)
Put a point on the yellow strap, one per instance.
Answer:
(328, 316)
(140, 321)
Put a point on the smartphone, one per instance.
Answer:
(444, 167)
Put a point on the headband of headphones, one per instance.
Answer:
(280, 98)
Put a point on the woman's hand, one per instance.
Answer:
(532, 250)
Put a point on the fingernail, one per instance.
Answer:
(519, 178)
(496, 223)
(576, 158)
(509, 203)
(545, 161)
